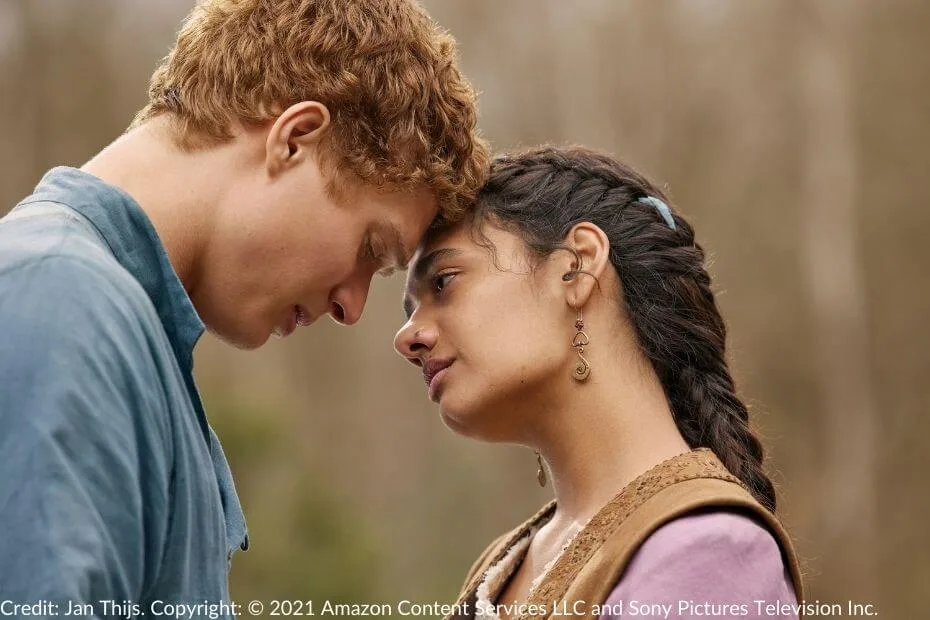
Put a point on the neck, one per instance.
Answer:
(617, 426)
(178, 191)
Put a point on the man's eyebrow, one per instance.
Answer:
(423, 267)
(397, 249)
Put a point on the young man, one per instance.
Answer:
(289, 151)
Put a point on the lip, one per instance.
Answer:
(433, 372)
(304, 319)
(433, 390)
(299, 317)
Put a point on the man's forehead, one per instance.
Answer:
(397, 244)
(411, 225)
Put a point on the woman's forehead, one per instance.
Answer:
(487, 242)
(458, 235)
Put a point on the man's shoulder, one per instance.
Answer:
(75, 340)
(47, 262)
(69, 300)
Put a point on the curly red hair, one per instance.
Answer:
(403, 115)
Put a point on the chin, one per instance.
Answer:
(241, 339)
(250, 345)
(472, 423)
(252, 342)
(452, 423)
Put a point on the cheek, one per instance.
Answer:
(498, 389)
(522, 353)
(295, 230)
(509, 348)
(330, 256)
(523, 336)
(317, 257)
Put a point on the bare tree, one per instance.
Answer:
(33, 102)
(835, 280)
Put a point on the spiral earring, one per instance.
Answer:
(579, 342)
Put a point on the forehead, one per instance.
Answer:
(404, 215)
(489, 249)
(501, 248)
(454, 236)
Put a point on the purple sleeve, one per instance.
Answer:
(702, 565)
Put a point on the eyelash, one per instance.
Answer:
(436, 283)
(371, 253)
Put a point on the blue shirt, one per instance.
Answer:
(113, 485)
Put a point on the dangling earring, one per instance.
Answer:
(541, 472)
(579, 342)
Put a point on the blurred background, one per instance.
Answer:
(793, 134)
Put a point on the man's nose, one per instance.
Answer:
(347, 302)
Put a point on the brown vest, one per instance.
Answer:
(593, 563)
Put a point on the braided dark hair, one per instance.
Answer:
(542, 193)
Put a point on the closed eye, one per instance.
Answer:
(384, 250)
(373, 252)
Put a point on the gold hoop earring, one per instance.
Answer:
(579, 342)
(541, 472)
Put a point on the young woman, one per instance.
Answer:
(573, 313)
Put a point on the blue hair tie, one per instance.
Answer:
(661, 207)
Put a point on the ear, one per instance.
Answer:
(592, 248)
(294, 135)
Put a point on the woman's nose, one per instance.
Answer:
(413, 341)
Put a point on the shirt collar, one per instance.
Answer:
(132, 239)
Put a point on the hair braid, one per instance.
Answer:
(682, 333)
(667, 292)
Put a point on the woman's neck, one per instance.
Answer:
(612, 429)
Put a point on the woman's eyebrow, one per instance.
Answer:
(420, 269)
(423, 266)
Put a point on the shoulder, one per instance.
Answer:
(66, 294)
(708, 555)
(45, 249)
(726, 534)
(76, 346)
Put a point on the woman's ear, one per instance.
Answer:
(294, 134)
(591, 249)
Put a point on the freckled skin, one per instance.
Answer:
(252, 229)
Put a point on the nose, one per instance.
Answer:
(347, 301)
(413, 341)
